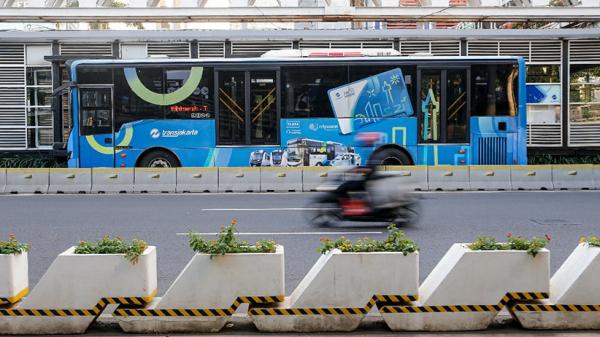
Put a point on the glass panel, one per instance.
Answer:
(232, 123)
(263, 107)
(456, 103)
(39, 76)
(547, 73)
(39, 96)
(96, 111)
(543, 114)
(200, 104)
(45, 137)
(494, 90)
(585, 93)
(430, 106)
(584, 113)
(129, 107)
(88, 75)
(305, 90)
(39, 117)
(585, 73)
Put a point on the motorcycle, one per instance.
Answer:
(353, 195)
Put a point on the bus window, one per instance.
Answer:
(358, 72)
(87, 75)
(129, 107)
(494, 90)
(305, 90)
(200, 104)
(431, 109)
(96, 111)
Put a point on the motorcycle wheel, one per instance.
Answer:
(325, 215)
(408, 214)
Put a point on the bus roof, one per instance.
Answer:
(283, 60)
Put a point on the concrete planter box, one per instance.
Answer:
(211, 283)
(14, 278)
(467, 277)
(575, 284)
(342, 280)
(76, 281)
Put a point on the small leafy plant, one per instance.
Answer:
(12, 246)
(532, 246)
(116, 245)
(593, 241)
(397, 241)
(228, 243)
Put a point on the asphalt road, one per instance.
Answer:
(52, 223)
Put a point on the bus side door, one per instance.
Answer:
(96, 132)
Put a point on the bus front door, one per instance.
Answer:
(247, 107)
(443, 114)
(96, 134)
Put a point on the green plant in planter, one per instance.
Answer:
(532, 246)
(593, 241)
(228, 243)
(397, 241)
(12, 246)
(108, 245)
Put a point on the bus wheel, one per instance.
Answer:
(159, 158)
(391, 157)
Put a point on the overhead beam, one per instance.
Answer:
(303, 14)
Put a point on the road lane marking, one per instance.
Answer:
(293, 233)
(263, 209)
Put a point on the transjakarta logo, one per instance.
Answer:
(155, 133)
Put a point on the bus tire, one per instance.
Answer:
(390, 156)
(159, 159)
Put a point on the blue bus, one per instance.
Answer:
(221, 112)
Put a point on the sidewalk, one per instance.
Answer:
(372, 325)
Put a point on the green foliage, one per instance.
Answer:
(532, 246)
(228, 243)
(396, 241)
(591, 241)
(12, 246)
(548, 159)
(115, 245)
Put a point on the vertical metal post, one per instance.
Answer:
(194, 49)
(57, 117)
(565, 84)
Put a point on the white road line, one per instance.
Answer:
(261, 209)
(295, 233)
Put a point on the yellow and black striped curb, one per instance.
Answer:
(555, 307)
(14, 299)
(509, 298)
(375, 300)
(94, 312)
(199, 312)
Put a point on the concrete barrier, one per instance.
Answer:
(567, 177)
(411, 177)
(2, 180)
(278, 179)
(77, 288)
(489, 178)
(210, 290)
(66, 180)
(154, 180)
(14, 278)
(531, 177)
(339, 290)
(448, 178)
(110, 180)
(239, 179)
(314, 176)
(574, 301)
(197, 179)
(27, 180)
(467, 289)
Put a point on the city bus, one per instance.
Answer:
(423, 110)
(311, 152)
